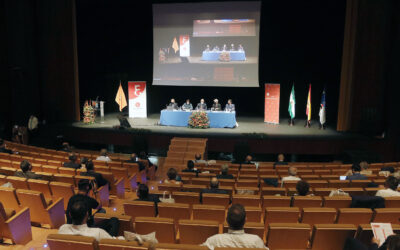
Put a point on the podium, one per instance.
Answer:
(272, 99)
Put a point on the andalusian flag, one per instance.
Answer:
(308, 109)
(175, 45)
(120, 98)
(322, 111)
(292, 104)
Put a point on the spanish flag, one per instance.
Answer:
(120, 98)
(175, 45)
(308, 109)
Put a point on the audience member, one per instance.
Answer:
(356, 175)
(236, 237)
(292, 171)
(83, 162)
(3, 148)
(100, 181)
(173, 177)
(143, 156)
(224, 172)
(190, 167)
(390, 190)
(281, 161)
(248, 160)
(26, 168)
(143, 195)
(214, 187)
(302, 188)
(199, 160)
(103, 156)
(79, 216)
(364, 168)
(392, 242)
(65, 147)
(84, 187)
(135, 159)
(72, 162)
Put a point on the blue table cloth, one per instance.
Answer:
(218, 119)
(214, 55)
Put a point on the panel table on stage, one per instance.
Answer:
(179, 118)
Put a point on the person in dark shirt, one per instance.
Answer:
(302, 188)
(281, 161)
(356, 169)
(143, 195)
(65, 147)
(72, 162)
(26, 168)
(3, 148)
(248, 160)
(190, 167)
(143, 156)
(224, 173)
(135, 159)
(84, 187)
(100, 181)
(214, 189)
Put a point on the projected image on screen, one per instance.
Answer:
(206, 44)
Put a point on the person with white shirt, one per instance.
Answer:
(79, 216)
(103, 156)
(236, 237)
(292, 175)
(390, 190)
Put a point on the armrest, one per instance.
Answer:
(104, 195)
(56, 213)
(132, 181)
(120, 188)
(19, 227)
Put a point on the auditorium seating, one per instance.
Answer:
(175, 211)
(331, 236)
(8, 197)
(386, 215)
(15, 226)
(209, 212)
(125, 221)
(164, 228)
(196, 231)
(288, 235)
(60, 241)
(139, 208)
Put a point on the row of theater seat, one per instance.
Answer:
(193, 233)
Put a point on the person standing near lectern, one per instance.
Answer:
(201, 105)
(173, 104)
(187, 106)
(216, 106)
(230, 107)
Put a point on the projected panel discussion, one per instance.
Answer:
(206, 44)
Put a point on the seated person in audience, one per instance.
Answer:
(100, 181)
(190, 168)
(79, 217)
(84, 187)
(281, 161)
(236, 237)
(201, 105)
(187, 105)
(302, 188)
(83, 163)
(248, 160)
(292, 171)
(390, 190)
(26, 168)
(143, 156)
(230, 106)
(3, 148)
(173, 177)
(135, 159)
(214, 187)
(65, 147)
(364, 169)
(103, 156)
(356, 175)
(72, 162)
(173, 104)
(224, 173)
(198, 159)
(392, 242)
(216, 106)
(143, 194)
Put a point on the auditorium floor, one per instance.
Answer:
(248, 126)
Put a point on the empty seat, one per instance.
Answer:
(288, 235)
(273, 191)
(174, 211)
(338, 183)
(322, 191)
(387, 215)
(216, 199)
(18, 182)
(41, 186)
(7, 171)
(186, 197)
(209, 212)
(165, 246)
(253, 214)
(164, 228)
(307, 201)
(62, 190)
(66, 178)
(354, 191)
(8, 197)
(276, 201)
(117, 186)
(281, 215)
(42, 213)
(354, 216)
(170, 187)
(193, 188)
(246, 200)
(247, 183)
(16, 227)
(130, 180)
(196, 231)
(64, 241)
(337, 201)
(392, 202)
(318, 183)
(331, 236)
(318, 215)
(50, 169)
(139, 208)
(114, 244)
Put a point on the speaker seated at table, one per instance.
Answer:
(187, 106)
(202, 105)
(230, 106)
(216, 106)
(172, 105)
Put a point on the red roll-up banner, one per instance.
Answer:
(272, 97)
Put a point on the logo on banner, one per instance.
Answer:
(136, 91)
(137, 104)
(137, 99)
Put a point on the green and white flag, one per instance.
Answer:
(292, 104)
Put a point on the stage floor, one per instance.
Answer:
(248, 126)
